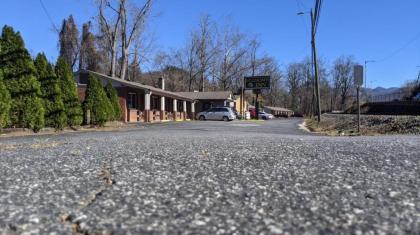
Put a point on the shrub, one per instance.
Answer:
(51, 93)
(113, 98)
(72, 106)
(19, 76)
(5, 103)
(97, 102)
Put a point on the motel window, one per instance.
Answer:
(180, 106)
(155, 103)
(207, 106)
(132, 101)
(169, 105)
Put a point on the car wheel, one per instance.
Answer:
(226, 119)
(264, 118)
(202, 118)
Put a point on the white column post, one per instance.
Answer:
(162, 108)
(192, 107)
(193, 110)
(184, 109)
(175, 105)
(147, 100)
(147, 106)
(162, 103)
(175, 109)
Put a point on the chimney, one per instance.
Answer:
(162, 83)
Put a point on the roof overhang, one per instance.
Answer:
(136, 85)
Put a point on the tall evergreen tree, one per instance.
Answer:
(51, 93)
(89, 58)
(113, 98)
(20, 79)
(70, 98)
(69, 42)
(5, 103)
(97, 102)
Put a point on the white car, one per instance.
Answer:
(265, 116)
(222, 113)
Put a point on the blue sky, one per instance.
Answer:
(384, 30)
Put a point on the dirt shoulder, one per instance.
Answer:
(346, 124)
(109, 126)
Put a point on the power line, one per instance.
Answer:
(49, 16)
(300, 4)
(302, 8)
(400, 49)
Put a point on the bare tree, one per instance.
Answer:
(294, 82)
(343, 78)
(131, 27)
(205, 48)
(229, 58)
(69, 41)
(186, 59)
(109, 31)
(276, 95)
(411, 88)
(141, 55)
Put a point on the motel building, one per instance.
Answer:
(142, 103)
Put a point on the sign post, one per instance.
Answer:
(257, 83)
(358, 81)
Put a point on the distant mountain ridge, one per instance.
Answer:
(382, 91)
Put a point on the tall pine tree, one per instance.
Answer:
(68, 87)
(20, 79)
(5, 103)
(97, 102)
(113, 98)
(51, 93)
(69, 42)
(88, 59)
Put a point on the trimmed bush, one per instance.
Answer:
(19, 76)
(111, 92)
(97, 102)
(72, 106)
(5, 103)
(51, 93)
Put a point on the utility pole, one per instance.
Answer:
(358, 81)
(313, 33)
(314, 22)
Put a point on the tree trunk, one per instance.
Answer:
(124, 64)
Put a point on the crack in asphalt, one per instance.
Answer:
(105, 174)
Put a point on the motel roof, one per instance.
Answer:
(154, 90)
(277, 109)
(208, 95)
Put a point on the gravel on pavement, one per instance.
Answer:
(210, 178)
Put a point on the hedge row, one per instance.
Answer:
(35, 94)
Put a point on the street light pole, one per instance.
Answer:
(366, 62)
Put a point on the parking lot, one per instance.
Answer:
(210, 178)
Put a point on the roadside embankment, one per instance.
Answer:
(346, 124)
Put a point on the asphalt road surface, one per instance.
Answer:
(210, 178)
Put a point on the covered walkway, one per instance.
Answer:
(143, 103)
